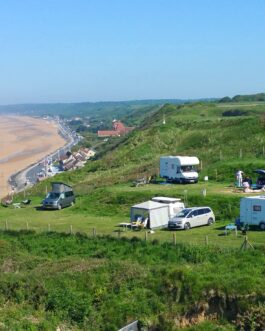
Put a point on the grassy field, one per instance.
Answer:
(104, 209)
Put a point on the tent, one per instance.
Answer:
(158, 213)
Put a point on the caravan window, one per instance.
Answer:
(256, 208)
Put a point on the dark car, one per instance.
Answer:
(61, 196)
(261, 178)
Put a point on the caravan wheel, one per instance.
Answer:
(262, 226)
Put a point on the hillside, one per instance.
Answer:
(119, 276)
(213, 132)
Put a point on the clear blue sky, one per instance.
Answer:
(92, 50)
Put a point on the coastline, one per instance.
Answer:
(25, 141)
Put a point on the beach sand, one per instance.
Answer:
(24, 141)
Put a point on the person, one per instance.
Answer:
(239, 178)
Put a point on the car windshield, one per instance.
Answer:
(187, 168)
(53, 195)
(183, 213)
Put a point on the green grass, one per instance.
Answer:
(104, 208)
(104, 282)
(82, 283)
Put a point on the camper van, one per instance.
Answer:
(252, 211)
(61, 196)
(179, 169)
(174, 204)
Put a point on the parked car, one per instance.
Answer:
(261, 178)
(191, 217)
(61, 196)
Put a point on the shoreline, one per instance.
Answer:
(26, 142)
(19, 178)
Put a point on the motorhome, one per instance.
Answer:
(252, 211)
(174, 204)
(179, 169)
(61, 196)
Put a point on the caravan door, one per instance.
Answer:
(256, 212)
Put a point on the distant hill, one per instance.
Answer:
(244, 98)
(89, 109)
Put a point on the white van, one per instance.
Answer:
(174, 204)
(252, 211)
(192, 217)
(179, 169)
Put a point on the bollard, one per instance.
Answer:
(49, 227)
(6, 226)
(71, 229)
(145, 235)
(27, 225)
(94, 232)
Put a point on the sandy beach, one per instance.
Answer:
(24, 141)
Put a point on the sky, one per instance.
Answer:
(106, 50)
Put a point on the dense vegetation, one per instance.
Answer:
(245, 98)
(75, 282)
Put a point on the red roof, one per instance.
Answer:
(118, 129)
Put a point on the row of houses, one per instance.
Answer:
(76, 160)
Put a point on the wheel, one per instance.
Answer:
(262, 226)
(210, 221)
(187, 226)
(59, 207)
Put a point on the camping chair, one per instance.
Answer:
(26, 202)
(143, 224)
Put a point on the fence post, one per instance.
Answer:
(49, 227)
(174, 239)
(145, 235)
(94, 232)
(71, 229)
(206, 241)
(27, 225)
(6, 225)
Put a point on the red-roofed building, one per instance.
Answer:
(119, 129)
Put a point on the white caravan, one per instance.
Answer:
(174, 204)
(252, 211)
(179, 169)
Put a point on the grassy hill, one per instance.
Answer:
(223, 142)
(80, 282)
